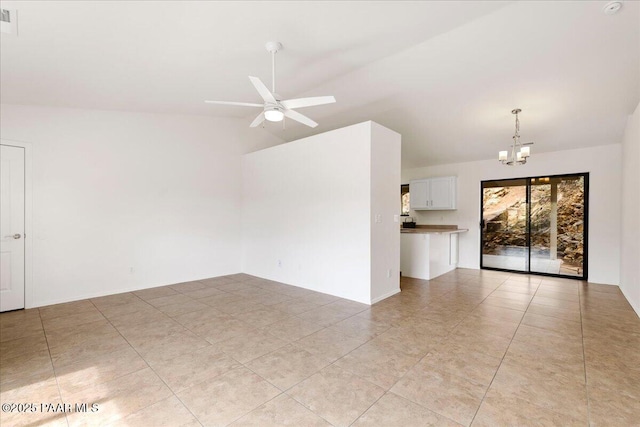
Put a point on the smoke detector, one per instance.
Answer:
(9, 21)
(612, 7)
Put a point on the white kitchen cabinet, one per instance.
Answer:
(419, 194)
(433, 193)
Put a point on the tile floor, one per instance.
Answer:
(472, 347)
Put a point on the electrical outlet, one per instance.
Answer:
(378, 218)
(396, 218)
(389, 273)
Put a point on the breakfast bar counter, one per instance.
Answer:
(428, 251)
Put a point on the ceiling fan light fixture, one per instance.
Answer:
(274, 114)
(274, 108)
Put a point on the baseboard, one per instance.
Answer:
(385, 296)
(110, 292)
(134, 289)
(307, 287)
(87, 296)
(634, 304)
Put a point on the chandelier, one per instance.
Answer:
(519, 152)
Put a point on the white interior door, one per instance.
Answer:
(12, 255)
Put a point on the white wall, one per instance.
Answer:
(385, 235)
(115, 191)
(307, 217)
(630, 225)
(603, 163)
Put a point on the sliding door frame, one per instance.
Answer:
(585, 262)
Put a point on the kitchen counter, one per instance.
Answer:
(432, 230)
(437, 229)
(429, 251)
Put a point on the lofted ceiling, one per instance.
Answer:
(443, 74)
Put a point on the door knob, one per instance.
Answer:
(15, 236)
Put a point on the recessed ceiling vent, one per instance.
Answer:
(8, 21)
(612, 7)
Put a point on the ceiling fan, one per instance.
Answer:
(274, 108)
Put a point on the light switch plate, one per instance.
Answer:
(9, 21)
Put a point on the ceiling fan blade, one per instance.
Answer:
(240, 104)
(294, 115)
(308, 102)
(257, 120)
(262, 90)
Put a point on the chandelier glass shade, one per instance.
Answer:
(518, 152)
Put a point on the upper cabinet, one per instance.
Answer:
(437, 194)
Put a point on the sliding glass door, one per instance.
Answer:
(505, 210)
(536, 225)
